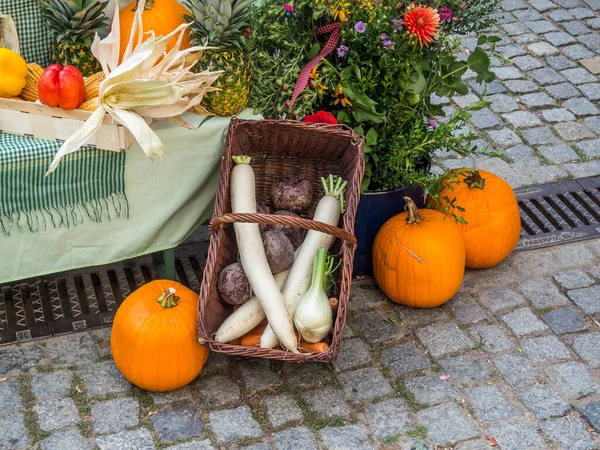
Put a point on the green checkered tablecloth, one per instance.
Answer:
(34, 37)
(87, 185)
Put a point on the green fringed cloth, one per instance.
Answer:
(87, 185)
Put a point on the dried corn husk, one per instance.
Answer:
(8, 34)
(149, 82)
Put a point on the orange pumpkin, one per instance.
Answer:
(419, 257)
(492, 215)
(154, 337)
(160, 16)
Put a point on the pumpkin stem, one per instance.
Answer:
(168, 299)
(414, 216)
(475, 180)
(149, 4)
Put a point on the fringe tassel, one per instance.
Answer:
(115, 206)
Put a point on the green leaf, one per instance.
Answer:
(343, 116)
(357, 72)
(359, 98)
(346, 72)
(314, 50)
(372, 136)
(418, 82)
(361, 115)
(479, 61)
(359, 130)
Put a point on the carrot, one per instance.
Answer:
(318, 347)
(334, 302)
(237, 341)
(251, 340)
(256, 330)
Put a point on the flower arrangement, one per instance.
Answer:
(373, 64)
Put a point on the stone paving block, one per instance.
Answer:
(527, 15)
(216, 391)
(515, 435)
(465, 369)
(465, 100)
(198, 445)
(547, 76)
(591, 41)
(443, 339)
(509, 73)
(138, 439)
(521, 86)
(473, 445)
(294, 438)
(587, 346)
(594, 23)
(591, 64)
(578, 76)
(10, 399)
(328, 402)
(523, 155)
(582, 13)
(538, 136)
(576, 52)
(504, 138)
(591, 90)
(581, 107)
(115, 415)
(502, 103)
(282, 409)
(500, 299)
(564, 320)
(344, 438)
(353, 353)
(365, 295)
(51, 384)
(560, 62)
(522, 119)
(417, 317)
(260, 446)
(543, 5)
(72, 350)
(431, 389)
(364, 384)
(492, 88)
(572, 255)
(575, 28)
(548, 174)
(404, 358)
(586, 299)
(558, 154)
(490, 403)
(69, 439)
(560, 15)
(559, 38)
(527, 38)
(543, 401)
(379, 327)
(591, 413)
(162, 398)
(569, 433)
(572, 379)
(20, 359)
(510, 51)
(563, 91)
(103, 378)
(13, 434)
(491, 338)
(557, 115)
(523, 322)
(232, 424)
(178, 422)
(389, 418)
(591, 149)
(57, 413)
(542, 49)
(484, 118)
(465, 309)
(258, 376)
(541, 26)
(541, 292)
(447, 424)
(307, 375)
(516, 369)
(216, 363)
(537, 100)
(586, 169)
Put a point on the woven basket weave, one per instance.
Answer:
(278, 148)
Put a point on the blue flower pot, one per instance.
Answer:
(374, 209)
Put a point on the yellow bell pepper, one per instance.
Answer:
(13, 73)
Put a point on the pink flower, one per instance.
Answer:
(445, 13)
(289, 8)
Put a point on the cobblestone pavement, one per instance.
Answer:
(512, 360)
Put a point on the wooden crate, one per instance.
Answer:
(55, 124)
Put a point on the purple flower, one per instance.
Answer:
(388, 44)
(289, 8)
(360, 27)
(397, 25)
(432, 123)
(383, 36)
(445, 13)
(342, 50)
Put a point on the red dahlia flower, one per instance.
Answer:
(320, 117)
(422, 22)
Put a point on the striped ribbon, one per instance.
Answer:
(336, 32)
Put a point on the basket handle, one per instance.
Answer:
(271, 219)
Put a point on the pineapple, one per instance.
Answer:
(222, 24)
(73, 24)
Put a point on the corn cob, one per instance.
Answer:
(92, 85)
(90, 105)
(30, 91)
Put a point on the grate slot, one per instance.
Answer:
(526, 228)
(82, 298)
(197, 268)
(592, 196)
(594, 216)
(544, 211)
(560, 212)
(573, 209)
(540, 225)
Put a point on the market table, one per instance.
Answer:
(166, 201)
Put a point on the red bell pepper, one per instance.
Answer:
(61, 86)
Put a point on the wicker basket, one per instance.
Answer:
(278, 148)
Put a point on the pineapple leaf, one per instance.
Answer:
(225, 9)
(242, 6)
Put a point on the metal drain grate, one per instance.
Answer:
(88, 298)
(558, 213)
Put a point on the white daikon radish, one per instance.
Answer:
(252, 255)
